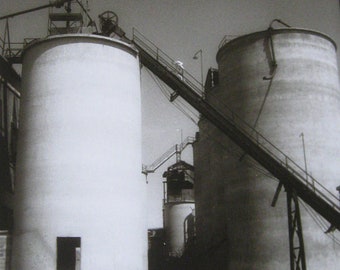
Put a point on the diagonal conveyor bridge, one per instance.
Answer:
(290, 175)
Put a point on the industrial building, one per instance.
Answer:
(262, 192)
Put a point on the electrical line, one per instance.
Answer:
(319, 222)
(178, 104)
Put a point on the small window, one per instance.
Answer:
(68, 253)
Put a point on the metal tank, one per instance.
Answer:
(285, 84)
(80, 197)
(179, 209)
(176, 218)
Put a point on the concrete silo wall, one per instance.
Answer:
(78, 170)
(235, 224)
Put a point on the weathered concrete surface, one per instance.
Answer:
(79, 156)
(236, 227)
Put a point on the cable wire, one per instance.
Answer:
(320, 222)
(177, 103)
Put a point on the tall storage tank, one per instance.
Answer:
(297, 107)
(179, 209)
(80, 197)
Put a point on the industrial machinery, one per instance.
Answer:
(175, 150)
(58, 23)
(179, 208)
(178, 203)
(9, 109)
(294, 178)
(55, 3)
(229, 125)
(64, 22)
(297, 181)
(10, 87)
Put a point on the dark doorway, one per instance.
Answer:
(67, 248)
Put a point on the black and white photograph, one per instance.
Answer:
(169, 135)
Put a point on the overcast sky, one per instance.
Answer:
(180, 28)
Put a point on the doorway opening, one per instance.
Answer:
(68, 253)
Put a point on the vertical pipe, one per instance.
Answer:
(304, 154)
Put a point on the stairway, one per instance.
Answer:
(290, 174)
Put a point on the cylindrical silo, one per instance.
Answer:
(176, 217)
(179, 208)
(284, 83)
(80, 197)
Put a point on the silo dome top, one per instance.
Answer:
(262, 34)
(90, 38)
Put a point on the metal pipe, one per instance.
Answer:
(304, 153)
(56, 3)
(87, 14)
(199, 52)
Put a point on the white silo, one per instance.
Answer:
(288, 90)
(80, 197)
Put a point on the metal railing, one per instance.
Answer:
(177, 148)
(301, 174)
(167, 61)
(281, 157)
(14, 49)
(10, 49)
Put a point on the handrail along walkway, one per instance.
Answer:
(250, 140)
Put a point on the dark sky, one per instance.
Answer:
(180, 28)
